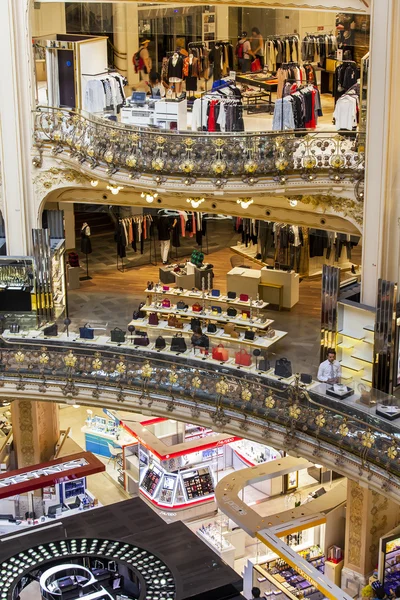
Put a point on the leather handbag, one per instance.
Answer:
(255, 65)
(249, 335)
(306, 378)
(86, 333)
(117, 335)
(270, 333)
(231, 312)
(229, 329)
(211, 328)
(196, 307)
(244, 297)
(216, 309)
(264, 365)
(139, 314)
(173, 321)
(160, 343)
(165, 288)
(231, 295)
(283, 368)
(51, 330)
(243, 358)
(153, 319)
(200, 340)
(14, 328)
(178, 343)
(220, 353)
(141, 341)
(166, 303)
(256, 354)
(181, 305)
(215, 293)
(245, 314)
(195, 324)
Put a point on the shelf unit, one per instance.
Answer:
(198, 296)
(355, 341)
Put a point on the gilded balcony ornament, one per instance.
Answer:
(70, 360)
(158, 164)
(281, 164)
(109, 156)
(90, 151)
(57, 135)
(219, 142)
(70, 140)
(250, 166)
(173, 377)
(44, 358)
(246, 395)
(121, 368)
(337, 161)
(222, 387)
(134, 137)
(97, 364)
(392, 452)
(269, 401)
(367, 439)
(320, 420)
(188, 142)
(147, 370)
(294, 411)
(309, 162)
(343, 429)
(60, 114)
(196, 382)
(78, 145)
(131, 160)
(219, 166)
(187, 166)
(160, 140)
(19, 357)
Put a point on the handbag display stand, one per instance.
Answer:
(87, 276)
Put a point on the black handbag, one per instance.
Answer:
(117, 335)
(14, 328)
(249, 335)
(51, 330)
(283, 367)
(160, 343)
(141, 333)
(195, 324)
(306, 378)
(181, 305)
(231, 295)
(141, 341)
(231, 312)
(139, 314)
(264, 365)
(211, 328)
(178, 343)
(204, 341)
(86, 333)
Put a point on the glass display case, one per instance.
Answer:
(389, 564)
(17, 289)
(253, 453)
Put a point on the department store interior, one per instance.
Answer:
(166, 352)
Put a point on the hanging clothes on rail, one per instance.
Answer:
(132, 231)
(346, 75)
(104, 93)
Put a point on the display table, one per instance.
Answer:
(98, 441)
(272, 279)
(197, 295)
(167, 112)
(243, 281)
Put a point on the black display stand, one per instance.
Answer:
(87, 276)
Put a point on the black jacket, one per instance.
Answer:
(177, 70)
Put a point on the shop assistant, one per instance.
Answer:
(330, 370)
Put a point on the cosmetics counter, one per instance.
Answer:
(222, 535)
(389, 561)
(105, 435)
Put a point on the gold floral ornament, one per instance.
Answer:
(337, 161)
(222, 387)
(343, 430)
(269, 402)
(147, 370)
(281, 164)
(121, 367)
(294, 411)
(196, 382)
(392, 452)
(367, 439)
(309, 162)
(160, 140)
(320, 420)
(250, 166)
(219, 142)
(187, 166)
(246, 395)
(173, 377)
(70, 140)
(134, 137)
(90, 151)
(78, 145)
(158, 164)
(219, 166)
(57, 135)
(70, 360)
(188, 142)
(44, 358)
(19, 357)
(97, 364)
(109, 156)
(131, 160)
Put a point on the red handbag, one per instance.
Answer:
(153, 319)
(165, 288)
(256, 65)
(166, 303)
(243, 358)
(220, 353)
(244, 298)
(196, 307)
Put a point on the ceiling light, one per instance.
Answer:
(94, 182)
(76, 405)
(245, 202)
(195, 202)
(149, 197)
(114, 189)
(293, 202)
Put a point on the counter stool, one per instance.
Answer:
(114, 453)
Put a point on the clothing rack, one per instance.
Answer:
(107, 72)
(153, 255)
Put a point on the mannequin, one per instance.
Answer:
(164, 235)
(191, 72)
(175, 72)
(86, 247)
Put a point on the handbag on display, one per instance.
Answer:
(195, 324)
(173, 321)
(244, 297)
(139, 314)
(245, 314)
(211, 328)
(181, 305)
(220, 353)
(166, 303)
(197, 258)
(215, 293)
(216, 309)
(231, 312)
(306, 378)
(264, 365)
(200, 340)
(196, 307)
(153, 319)
(231, 295)
(229, 329)
(14, 328)
(256, 354)
(150, 285)
(178, 343)
(160, 343)
(86, 333)
(73, 259)
(249, 335)
(283, 368)
(141, 341)
(165, 288)
(243, 358)
(117, 335)
(270, 333)
(51, 330)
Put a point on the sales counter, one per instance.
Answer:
(279, 287)
(101, 437)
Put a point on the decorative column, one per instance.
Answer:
(120, 25)
(35, 431)
(381, 248)
(132, 39)
(222, 22)
(369, 516)
(16, 125)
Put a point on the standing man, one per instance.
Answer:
(142, 60)
(330, 370)
(248, 55)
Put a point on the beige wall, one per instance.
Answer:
(49, 18)
(310, 21)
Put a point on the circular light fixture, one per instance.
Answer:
(293, 202)
(115, 189)
(149, 197)
(245, 202)
(195, 202)
(94, 182)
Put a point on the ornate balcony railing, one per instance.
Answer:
(258, 407)
(194, 156)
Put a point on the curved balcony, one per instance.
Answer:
(346, 437)
(210, 160)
